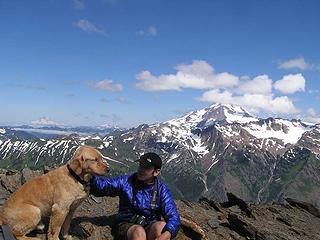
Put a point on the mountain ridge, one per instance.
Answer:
(218, 148)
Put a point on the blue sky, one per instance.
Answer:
(81, 62)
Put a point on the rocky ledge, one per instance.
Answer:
(206, 219)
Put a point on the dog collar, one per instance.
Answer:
(73, 174)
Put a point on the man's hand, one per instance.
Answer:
(164, 236)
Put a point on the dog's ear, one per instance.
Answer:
(76, 164)
(80, 168)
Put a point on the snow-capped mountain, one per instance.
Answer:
(46, 131)
(206, 152)
(14, 134)
(215, 114)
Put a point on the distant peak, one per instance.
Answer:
(216, 113)
(107, 125)
(230, 107)
(226, 113)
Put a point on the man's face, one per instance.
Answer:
(147, 174)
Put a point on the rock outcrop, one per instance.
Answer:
(205, 219)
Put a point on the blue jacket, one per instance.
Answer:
(122, 186)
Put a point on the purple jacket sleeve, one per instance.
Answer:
(101, 186)
(169, 212)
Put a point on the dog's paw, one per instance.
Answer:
(40, 227)
(67, 237)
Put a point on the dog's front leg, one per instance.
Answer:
(57, 218)
(66, 225)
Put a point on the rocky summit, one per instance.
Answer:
(234, 219)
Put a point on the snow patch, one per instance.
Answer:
(238, 117)
(96, 138)
(128, 139)
(292, 135)
(198, 146)
(173, 156)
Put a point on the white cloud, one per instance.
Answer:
(107, 85)
(282, 105)
(43, 121)
(151, 31)
(313, 91)
(312, 119)
(311, 112)
(198, 75)
(312, 116)
(255, 94)
(298, 63)
(89, 27)
(261, 84)
(122, 100)
(148, 82)
(79, 4)
(253, 101)
(216, 96)
(290, 83)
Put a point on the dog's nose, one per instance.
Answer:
(107, 167)
(105, 164)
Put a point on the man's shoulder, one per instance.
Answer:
(161, 182)
(162, 185)
(123, 177)
(126, 177)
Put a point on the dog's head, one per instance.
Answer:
(88, 160)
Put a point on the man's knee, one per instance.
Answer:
(136, 232)
(159, 225)
(156, 229)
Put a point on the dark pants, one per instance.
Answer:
(123, 228)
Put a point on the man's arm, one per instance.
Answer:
(170, 213)
(101, 186)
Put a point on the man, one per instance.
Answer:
(144, 198)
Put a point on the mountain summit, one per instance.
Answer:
(215, 114)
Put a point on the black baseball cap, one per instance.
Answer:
(150, 160)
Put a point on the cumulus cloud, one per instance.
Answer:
(253, 101)
(298, 63)
(89, 27)
(290, 83)
(198, 75)
(261, 84)
(151, 31)
(43, 121)
(216, 96)
(79, 4)
(255, 93)
(106, 85)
